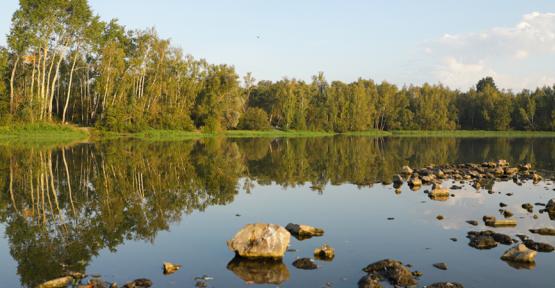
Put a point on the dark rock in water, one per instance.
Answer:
(528, 207)
(472, 222)
(369, 281)
(488, 220)
(301, 231)
(390, 218)
(506, 213)
(440, 217)
(481, 240)
(393, 271)
(453, 239)
(502, 204)
(441, 266)
(398, 179)
(455, 187)
(445, 285)
(259, 271)
(305, 264)
(324, 252)
(538, 246)
(544, 231)
(138, 283)
(502, 238)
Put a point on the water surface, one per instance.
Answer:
(120, 208)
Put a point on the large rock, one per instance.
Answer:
(301, 231)
(260, 241)
(392, 270)
(439, 193)
(369, 281)
(259, 271)
(520, 253)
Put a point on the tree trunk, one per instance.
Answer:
(69, 89)
(12, 91)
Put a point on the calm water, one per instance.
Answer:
(119, 209)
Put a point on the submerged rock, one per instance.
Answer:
(170, 268)
(302, 231)
(393, 271)
(324, 252)
(520, 254)
(544, 231)
(445, 285)
(260, 241)
(138, 283)
(305, 264)
(57, 283)
(369, 281)
(259, 271)
(528, 207)
(472, 222)
(441, 266)
(538, 246)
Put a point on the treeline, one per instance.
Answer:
(64, 64)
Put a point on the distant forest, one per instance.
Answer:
(64, 64)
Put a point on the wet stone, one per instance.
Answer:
(393, 271)
(441, 266)
(305, 264)
(445, 285)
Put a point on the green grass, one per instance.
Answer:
(41, 133)
(173, 135)
(369, 133)
(472, 133)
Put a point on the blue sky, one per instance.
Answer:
(403, 41)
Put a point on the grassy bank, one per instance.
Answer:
(472, 133)
(169, 135)
(42, 134)
(58, 133)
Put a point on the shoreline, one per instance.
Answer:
(60, 133)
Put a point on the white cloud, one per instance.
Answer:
(521, 56)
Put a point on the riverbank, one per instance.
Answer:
(56, 133)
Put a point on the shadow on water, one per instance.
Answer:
(60, 206)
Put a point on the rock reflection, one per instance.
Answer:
(61, 206)
(259, 271)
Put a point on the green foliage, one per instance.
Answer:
(254, 119)
(103, 75)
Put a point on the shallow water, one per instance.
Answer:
(119, 209)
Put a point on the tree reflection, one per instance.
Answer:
(61, 206)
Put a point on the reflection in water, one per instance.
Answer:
(62, 206)
(266, 271)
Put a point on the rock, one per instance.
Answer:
(544, 231)
(441, 266)
(369, 281)
(550, 206)
(507, 213)
(455, 187)
(260, 241)
(57, 283)
(439, 193)
(393, 271)
(440, 217)
(472, 222)
(502, 163)
(415, 182)
(445, 285)
(528, 207)
(519, 253)
(525, 167)
(502, 238)
(427, 178)
(488, 220)
(324, 252)
(305, 264)
(536, 178)
(170, 268)
(398, 179)
(510, 171)
(259, 271)
(481, 240)
(138, 283)
(301, 231)
(538, 246)
(406, 170)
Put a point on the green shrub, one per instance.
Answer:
(254, 119)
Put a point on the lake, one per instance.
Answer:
(119, 209)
